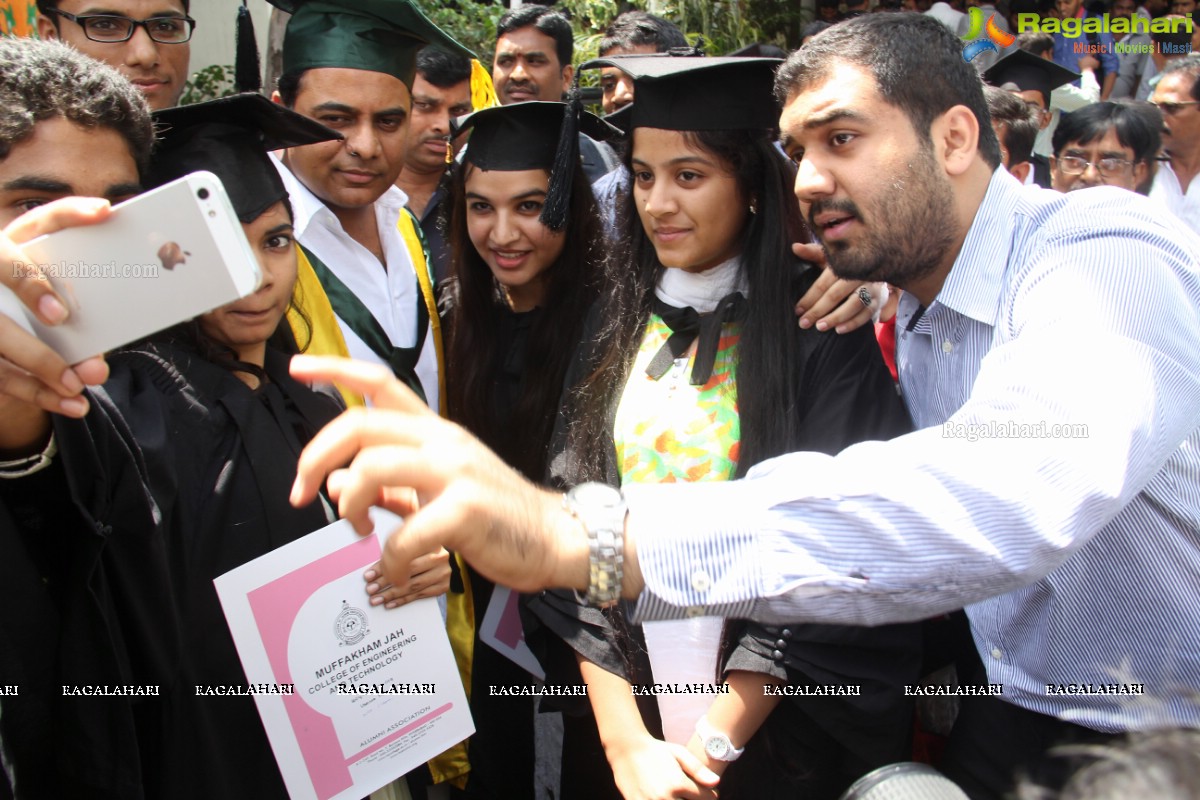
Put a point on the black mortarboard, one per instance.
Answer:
(686, 93)
(230, 138)
(374, 35)
(530, 136)
(1029, 73)
(523, 135)
(621, 119)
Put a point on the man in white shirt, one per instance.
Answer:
(1177, 95)
(351, 67)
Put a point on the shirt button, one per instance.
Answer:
(694, 611)
(947, 346)
(777, 655)
(787, 634)
(997, 653)
(701, 582)
(780, 643)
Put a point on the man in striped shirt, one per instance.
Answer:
(1049, 353)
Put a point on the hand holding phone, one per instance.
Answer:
(33, 377)
(165, 256)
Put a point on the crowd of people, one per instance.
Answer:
(817, 381)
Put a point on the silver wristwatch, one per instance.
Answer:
(601, 509)
(716, 744)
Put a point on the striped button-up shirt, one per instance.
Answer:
(1053, 487)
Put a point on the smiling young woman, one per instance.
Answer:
(702, 373)
(514, 310)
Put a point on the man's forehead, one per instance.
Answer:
(352, 87)
(1107, 143)
(528, 40)
(1174, 83)
(138, 9)
(840, 85)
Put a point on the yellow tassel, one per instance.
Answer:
(483, 92)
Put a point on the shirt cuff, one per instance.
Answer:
(698, 555)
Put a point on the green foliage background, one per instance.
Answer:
(724, 25)
(719, 25)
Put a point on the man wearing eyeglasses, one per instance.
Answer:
(1104, 144)
(1177, 95)
(146, 40)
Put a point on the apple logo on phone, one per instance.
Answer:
(171, 255)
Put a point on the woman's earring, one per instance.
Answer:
(753, 207)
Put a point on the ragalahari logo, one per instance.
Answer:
(995, 36)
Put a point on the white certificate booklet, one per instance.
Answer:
(376, 692)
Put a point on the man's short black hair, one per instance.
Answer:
(43, 79)
(288, 86)
(42, 5)
(547, 21)
(1035, 42)
(1133, 127)
(1020, 127)
(917, 64)
(638, 29)
(1188, 65)
(443, 69)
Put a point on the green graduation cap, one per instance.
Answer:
(690, 93)
(375, 35)
(1029, 72)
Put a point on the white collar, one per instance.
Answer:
(701, 290)
(306, 206)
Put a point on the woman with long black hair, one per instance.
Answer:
(697, 371)
(523, 279)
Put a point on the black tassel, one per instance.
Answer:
(562, 173)
(247, 74)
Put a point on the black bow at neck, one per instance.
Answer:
(686, 327)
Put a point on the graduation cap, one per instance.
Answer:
(688, 93)
(1029, 73)
(375, 35)
(621, 119)
(524, 136)
(230, 137)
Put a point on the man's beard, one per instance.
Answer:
(907, 231)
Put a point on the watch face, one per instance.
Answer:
(598, 494)
(717, 747)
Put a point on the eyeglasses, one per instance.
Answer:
(112, 29)
(1107, 167)
(1171, 109)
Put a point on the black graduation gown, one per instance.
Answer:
(501, 752)
(181, 457)
(846, 396)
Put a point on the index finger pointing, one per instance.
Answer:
(341, 440)
(374, 381)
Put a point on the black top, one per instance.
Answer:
(178, 474)
(846, 396)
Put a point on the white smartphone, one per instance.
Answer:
(163, 257)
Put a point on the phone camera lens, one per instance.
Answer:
(202, 194)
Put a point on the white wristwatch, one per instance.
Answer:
(716, 744)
